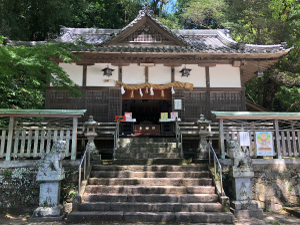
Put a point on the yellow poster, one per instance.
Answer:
(164, 115)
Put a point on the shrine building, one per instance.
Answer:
(147, 69)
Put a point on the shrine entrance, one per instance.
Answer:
(147, 114)
(146, 110)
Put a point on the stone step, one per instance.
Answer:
(150, 150)
(147, 140)
(147, 155)
(145, 146)
(96, 189)
(150, 207)
(151, 181)
(162, 198)
(170, 168)
(153, 217)
(148, 174)
(158, 161)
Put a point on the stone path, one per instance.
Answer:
(276, 218)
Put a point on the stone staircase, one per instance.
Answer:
(148, 148)
(150, 194)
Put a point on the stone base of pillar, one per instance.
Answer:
(247, 209)
(48, 214)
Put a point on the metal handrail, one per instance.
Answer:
(178, 137)
(116, 137)
(84, 165)
(216, 158)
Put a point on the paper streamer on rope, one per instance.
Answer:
(122, 90)
(157, 86)
(151, 91)
(141, 93)
(172, 90)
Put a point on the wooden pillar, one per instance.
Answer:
(172, 73)
(146, 74)
(243, 99)
(120, 78)
(74, 139)
(84, 76)
(10, 138)
(221, 140)
(207, 106)
(279, 156)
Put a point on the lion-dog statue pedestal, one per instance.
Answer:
(50, 173)
(241, 174)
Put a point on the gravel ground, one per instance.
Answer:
(277, 218)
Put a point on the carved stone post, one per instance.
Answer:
(241, 174)
(90, 133)
(50, 173)
(203, 131)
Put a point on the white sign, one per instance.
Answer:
(177, 104)
(244, 138)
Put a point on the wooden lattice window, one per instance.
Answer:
(146, 33)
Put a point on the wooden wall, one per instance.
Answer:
(106, 102)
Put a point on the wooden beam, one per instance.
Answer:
(277, 137)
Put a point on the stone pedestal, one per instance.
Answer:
(243, 204)
(50, 175)
(203, 149)
(49, 208)
(94, 152)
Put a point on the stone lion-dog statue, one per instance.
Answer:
(51, 162)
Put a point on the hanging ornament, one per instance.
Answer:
(141, 93)
(122, 90)
(162, 93)
(151, 91)
(132, 95)
(146, 90)
(172, 90)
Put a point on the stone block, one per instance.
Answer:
(49, 211)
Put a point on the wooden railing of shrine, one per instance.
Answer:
(285, 129)
(30, 133)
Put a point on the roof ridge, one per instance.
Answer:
(147, 11)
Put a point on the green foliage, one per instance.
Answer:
(25, 72)
(7, 173)
(206, 14)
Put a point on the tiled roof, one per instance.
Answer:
(201, 41)
(191, 41)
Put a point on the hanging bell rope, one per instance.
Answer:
(162, 93)
(156, 86)
(132, 95)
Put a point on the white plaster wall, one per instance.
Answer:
(75, 72)
(133, 74)
(159, 74)
(95, 78)
(197, 75)
(224, 76)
